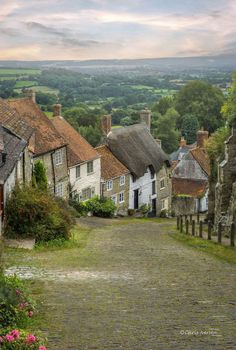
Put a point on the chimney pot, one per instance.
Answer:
(145, 118)
(106, 124)
(183, 142)
(57, 110)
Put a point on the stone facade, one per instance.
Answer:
(113, 191)
(225, 195)
(56, 171)
(163, 182)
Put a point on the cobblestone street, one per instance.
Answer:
(136, 288)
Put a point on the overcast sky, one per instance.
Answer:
(92, 29)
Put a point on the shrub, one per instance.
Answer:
(102, 207)
(31, 212)
(39, 177)
(20, 340)
(163, 213)
(80, 207)
(16, 308)
(144, 208)
(131, 212)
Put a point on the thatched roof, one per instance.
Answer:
(135, 147)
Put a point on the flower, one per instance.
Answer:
(15, 333)
(42, 347)
(30, 313)
(30, 339)
(9, 338)
(1, 340)
(18, 292)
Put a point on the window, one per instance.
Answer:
(114, 199)
(164, 204)
(153, 187)
(121, 197)
(86, 193)
(122, 180)
(89, 167)
(59, 190)
(58, 157)
(77, 169)
(152, 171)
(162, 183)
(109, 185)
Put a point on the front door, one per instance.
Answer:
(136, 203)
(154, 206)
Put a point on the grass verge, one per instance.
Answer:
(217, 250)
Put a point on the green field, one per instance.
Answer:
(25, 83)
(40, 88)
(19, 72)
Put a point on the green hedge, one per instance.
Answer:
(102, 207)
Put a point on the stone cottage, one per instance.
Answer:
(135, 147)
(115, 180)
(190, 179)
(83, 160)
(225, 196)
(46, 144)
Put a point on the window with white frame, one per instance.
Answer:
(59, 190)
(114, 199)
(58, 157)
(109, 185)
(86, 193)
(90, 167)
(77, 170)
(122, 180)
(162, 183)
(164, 204)
(121, 197)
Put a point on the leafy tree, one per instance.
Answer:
(163, 105)
(229, 107)
(39, 176)
(202, 100)
(91, 134)
(190, 126)
(166, 130)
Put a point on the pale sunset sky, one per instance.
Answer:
(115, 29)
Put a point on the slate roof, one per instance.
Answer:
(78, 149)
(192, 188)
(178, 155)
(202, 158)
(13, 146)
(12, 120)
(189, 168)
(47, 137)
(111, 167)
(135, 147)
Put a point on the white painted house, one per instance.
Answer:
(84, 162)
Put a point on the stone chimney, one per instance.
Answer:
(182, 142)
(145, 117)
(202, 136)
(57, 110)
(106, 124)
(30, 94)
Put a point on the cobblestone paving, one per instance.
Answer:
(158, 294)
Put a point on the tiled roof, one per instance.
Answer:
(79, 150)
(13, 146)
(200, 155)
(111, 167)
(12, 120)
(46, 136)
(192, 188)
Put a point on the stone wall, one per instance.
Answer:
(166, 192)
(184, 205)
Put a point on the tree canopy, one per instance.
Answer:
(229, 107)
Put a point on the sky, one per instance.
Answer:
(115, 29)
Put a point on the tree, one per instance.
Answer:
(166, 131)
(39, 176)
(190, 126)
(229, 107)
(163, 105)
(202, 100)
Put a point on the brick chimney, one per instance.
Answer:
(57, 110)
(106, 124)
(30, 94)
(182, 142)
(145, 118)
(202, 136)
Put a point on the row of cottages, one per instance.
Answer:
(190, 175)
(146, 172)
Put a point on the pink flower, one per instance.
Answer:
(42, 347)
(1, 340)
(18, 292)
(30, 313)
(30, 339)
(9, 338)
(15, 333)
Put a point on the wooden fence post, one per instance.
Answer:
(193, 227)
(191, 218)
(198, 217)
(209, 231)
(219, 233)
(187, 226)
(200, 229)
(181, 224)
(232, 234)
(185, 218)
(177, 222)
